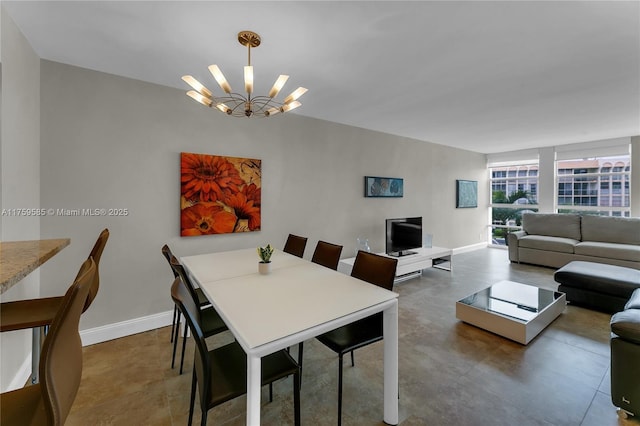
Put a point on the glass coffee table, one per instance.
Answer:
(516, 311)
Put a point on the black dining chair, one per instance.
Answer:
(295, 245)
(208, 318)
(220, 374)
(202, 301)
(374, 269)
(327, 254)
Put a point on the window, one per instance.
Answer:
(596, 185)
(514, 190)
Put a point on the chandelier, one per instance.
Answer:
(238, 104)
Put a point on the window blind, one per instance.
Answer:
(604, 148)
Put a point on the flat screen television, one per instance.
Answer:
(403, 235)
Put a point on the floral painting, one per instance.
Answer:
(219, 195)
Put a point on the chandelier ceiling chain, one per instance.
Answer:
(238, 104)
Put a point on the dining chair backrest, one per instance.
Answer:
(182, 274)
(375, 269)
(188, 306)
(327, 254)
(295, 245)
(61, 356)
(166, 251)
(98, 247)
(96, 254)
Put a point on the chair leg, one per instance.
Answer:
(184, 344)
(353, 364)
(297, 378)
(175, 344)
(173, 321)
(271, 392)
(193, 396)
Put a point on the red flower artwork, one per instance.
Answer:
(204, 218)
(246, 205)
(208, 177)
(219, 194)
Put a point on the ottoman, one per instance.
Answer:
(598, 286)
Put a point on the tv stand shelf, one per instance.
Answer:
(411, 266)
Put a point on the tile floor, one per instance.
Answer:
(450, 373)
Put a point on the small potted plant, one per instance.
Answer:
(264, 266)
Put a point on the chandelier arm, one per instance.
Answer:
(264, 99)
(263, 106)
(234, 95)
(266, 102)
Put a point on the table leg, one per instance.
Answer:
(36, 339)
(390, 328)
(253, 390)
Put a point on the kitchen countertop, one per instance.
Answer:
(19, 258)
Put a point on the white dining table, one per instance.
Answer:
(297, 301)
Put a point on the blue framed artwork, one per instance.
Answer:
(375, 186)
(466, 194)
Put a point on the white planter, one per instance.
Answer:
(264, 268)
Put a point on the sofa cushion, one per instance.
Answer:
(552, 225)
(609, 250)
(541, 242)
(599, 277)
(626, 324)
(623, 230)
(634, 301)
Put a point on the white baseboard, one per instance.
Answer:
(125, 328)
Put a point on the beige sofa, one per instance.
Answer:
(556, 239)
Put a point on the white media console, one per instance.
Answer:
(411, 265)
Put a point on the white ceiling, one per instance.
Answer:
(483, 76)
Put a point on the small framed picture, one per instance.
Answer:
(466, 194)
(375, 186)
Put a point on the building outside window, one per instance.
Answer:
(598, 185)
(514, 190)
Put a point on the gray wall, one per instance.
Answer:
(113, 142)
(19, 171)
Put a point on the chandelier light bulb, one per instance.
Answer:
(288, 107)
(197, 85)
(217, 74)
(222, 107)
(277, 86)
(295, 95)
(248, 79)
(199, 98)
(272, 111)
